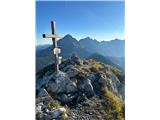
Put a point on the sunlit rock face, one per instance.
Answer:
(78, 84)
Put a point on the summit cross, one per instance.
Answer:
(56, 49)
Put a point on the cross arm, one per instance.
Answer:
(52, 36)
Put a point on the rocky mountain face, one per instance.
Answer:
(106, 48)
(82, 90)
(84, 48)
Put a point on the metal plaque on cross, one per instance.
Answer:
(56, 50)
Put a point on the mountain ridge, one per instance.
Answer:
(88, 37)
(84, 48)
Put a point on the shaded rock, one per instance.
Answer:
(81, 98)
(40, 117)
(87, 87)
(57, 112)
(64, 83)
(71, 71)
(71, 87)
(47, 117)
(102, 80)
(42, 82)
(43, 93)
(92, 77)
(52, 86)
(66, 98)
(114, 83)
(121, 91)
(60, 83)
(75, 60)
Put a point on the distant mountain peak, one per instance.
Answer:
(68, 36)
(69, 39)
(88, 38)
(84, 48)
(116, 39)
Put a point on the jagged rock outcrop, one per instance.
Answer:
(86, 87)
(71, 71)
(43, 113)
(75, 59)
(77, 82)
(60, 83)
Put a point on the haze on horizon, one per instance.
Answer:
(97, 20)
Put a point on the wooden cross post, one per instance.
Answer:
(56, 50)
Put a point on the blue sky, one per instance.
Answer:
(98, 20)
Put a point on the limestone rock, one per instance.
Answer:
(42, 82)
(52, 86)
(71, 71)
(57, 112)
(78, 89)
(114, 83)
(75, 59)
(92, 77)
(71, 87)
(60, 83)
(87, 87)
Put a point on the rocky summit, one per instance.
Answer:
(82, 90)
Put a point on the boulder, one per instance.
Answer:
(87, 87)
(75, 60)
(42, 82)
(63, 82)
(57, 112)
(71, 87)
(57, 82)
(52, 86)
(60, 83)
(71, 71)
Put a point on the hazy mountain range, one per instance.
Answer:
(108, 52)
